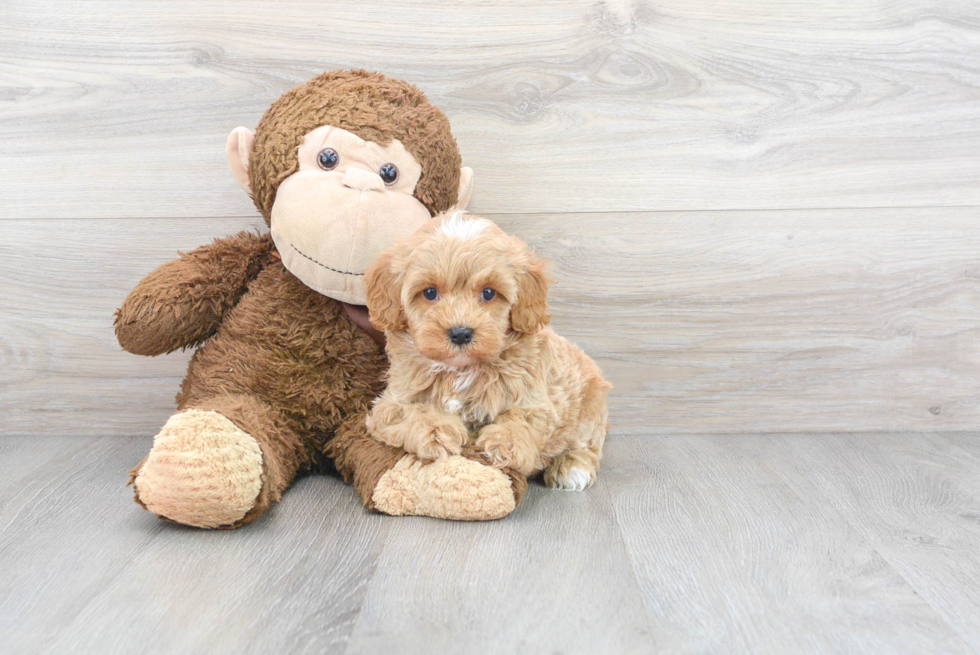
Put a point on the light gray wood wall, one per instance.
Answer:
(764, 216)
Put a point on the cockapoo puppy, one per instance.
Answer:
(464, 308)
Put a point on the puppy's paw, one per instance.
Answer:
(437, 438)
(573, 471)
(571, 479)
(507, 451)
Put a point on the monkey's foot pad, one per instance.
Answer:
(452, 488)
(203, 471)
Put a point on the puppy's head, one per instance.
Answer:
(460, 287)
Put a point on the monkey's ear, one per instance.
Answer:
(238, 147)
(384, 295)
(465, 187)
(530, 312)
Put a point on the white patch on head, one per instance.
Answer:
(575, 480)
(460, 227)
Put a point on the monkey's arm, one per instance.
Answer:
(181, 303)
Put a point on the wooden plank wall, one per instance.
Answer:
(764, 215)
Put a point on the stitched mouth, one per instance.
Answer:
(321, 264)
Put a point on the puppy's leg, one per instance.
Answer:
(576, 468)
(420, 429)
(515, 438)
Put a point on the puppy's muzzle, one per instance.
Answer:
(460, 335)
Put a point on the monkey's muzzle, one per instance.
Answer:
(329, 228)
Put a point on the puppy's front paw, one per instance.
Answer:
(437, 438)
(505, 450)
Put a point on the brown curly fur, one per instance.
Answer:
(181, 304)
(284, 363)
(372, 106)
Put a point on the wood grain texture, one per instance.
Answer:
(61, 367)
(915, 500)
(112, 109)
(294, 590)
(713, 321)
(775, 321)
(729, 557)
(763, 216)
(586, 123)
(688, 543)
(554, 577)
(85, 570)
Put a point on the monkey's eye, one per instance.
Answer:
(388, 173)
(328, 159)
(430, 293)
(489, 294)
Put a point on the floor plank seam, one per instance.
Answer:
(492, 214)
(368, 583)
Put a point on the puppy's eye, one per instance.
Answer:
(489, 294)
(388, 173)
(328, 159)
(430, 293)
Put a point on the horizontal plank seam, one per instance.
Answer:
(674, 432)
(653, 434)
(491, 214)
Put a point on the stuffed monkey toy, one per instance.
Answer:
(287, 363)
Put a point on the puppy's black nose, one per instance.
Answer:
(461, 335)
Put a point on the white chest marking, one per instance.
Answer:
(463, 380)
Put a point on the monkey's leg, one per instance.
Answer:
(218, 463)
(391, 481)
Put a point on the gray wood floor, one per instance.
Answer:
(688, 543)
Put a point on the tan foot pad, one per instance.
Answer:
(452, 488)
(203, 471)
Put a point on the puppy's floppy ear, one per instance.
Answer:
(384, 294)
(530, 312)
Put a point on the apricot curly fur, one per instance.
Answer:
(529, 398)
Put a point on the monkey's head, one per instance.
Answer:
(343, 166)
